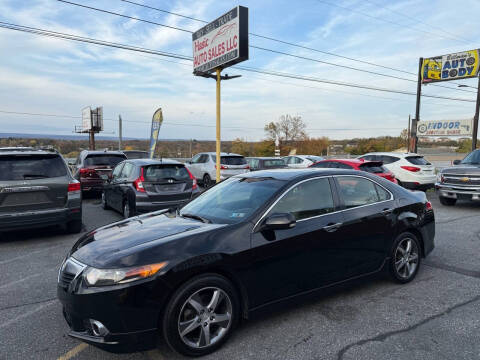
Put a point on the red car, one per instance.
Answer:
(374, 167)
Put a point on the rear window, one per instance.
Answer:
(27, 167)
(103, 159)
(417, 160)
(373, 168)
(231, 160)
(274, 162)
(155, 173)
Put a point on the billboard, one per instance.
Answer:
(450, 67)
(445, 128)
(221, 43)
(86, 119)
(157, 120)
(97, 118)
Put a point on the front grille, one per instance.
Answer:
(462, 180)
(70, 269)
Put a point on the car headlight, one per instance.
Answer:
(440, 177)
(105, 277)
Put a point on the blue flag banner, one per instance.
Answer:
(156, 124)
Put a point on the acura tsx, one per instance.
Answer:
(249, 242)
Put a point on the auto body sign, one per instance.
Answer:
(445, 128)
(221, 43)
(451, 67)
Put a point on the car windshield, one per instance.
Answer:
(233, 200)
(274, 163)
(417, 160)
(27, 167)
(231, 160)
(472, 158)
(104, 159)
(375, 168)
(155, 173)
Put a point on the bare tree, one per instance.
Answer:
(287, 129)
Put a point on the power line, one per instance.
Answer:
(184, 57)
(297, 45)
(252, 46)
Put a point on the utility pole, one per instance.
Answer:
(92, 135)
(417, 108)
(475, 118)
(119, 132)
(408, 132)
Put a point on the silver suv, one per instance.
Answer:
(37, 189)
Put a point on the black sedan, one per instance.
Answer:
(145, 185)
(250, 241)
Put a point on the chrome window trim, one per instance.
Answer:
(330, 213)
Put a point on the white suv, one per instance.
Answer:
(203, 166)
(412, 171)
(301, 161)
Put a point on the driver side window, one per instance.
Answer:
(196, 158)
(307, 199)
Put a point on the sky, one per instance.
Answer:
(44, 75)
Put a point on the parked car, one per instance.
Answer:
(374, 167)
(252, 240)
(93, 168)
(37, 189)
(461, 181)
(203, 166)
(265, 163)
(411, 170)
(301, 161)
(136, 154)
(145, 185)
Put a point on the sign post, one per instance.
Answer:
(475, 118)
(218, 45)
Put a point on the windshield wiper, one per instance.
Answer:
(196, 217)
(34, 176)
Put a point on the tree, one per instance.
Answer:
(287, 129)
(240, 146)
(264, 148)
(313, 146)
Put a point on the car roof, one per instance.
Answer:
(102, 152)
(143, 162)
(130, 151)
(292, 174)
(26, 151)
(265, 158)
(397, 154)
(221, 154)
(348, 161)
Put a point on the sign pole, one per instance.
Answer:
(475, 119)
(417, 108)
(218, 71)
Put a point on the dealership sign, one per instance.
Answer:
(221, 43)
(451, 67)
(445, 128)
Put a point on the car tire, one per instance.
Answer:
(207, 181)
(199, 319)
(104, 202)
(128, 210)
(74, 226)
(447, 201)
(405, 258)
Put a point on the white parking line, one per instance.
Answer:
(20, 280)
(73, 352)
(26, 314)
(31, 253)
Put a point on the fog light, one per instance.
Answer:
(98, 328)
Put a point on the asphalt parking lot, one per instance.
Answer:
(436, 316)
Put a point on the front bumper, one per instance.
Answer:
(458, 192)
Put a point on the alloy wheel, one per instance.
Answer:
(205, 317)
(406, 258)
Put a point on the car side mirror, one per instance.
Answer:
(280, 221)
(457, 162)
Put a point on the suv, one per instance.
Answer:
(37, 189)
(93, 168)
(301, 161)
(145, 185)
(411, 170)
(203, 166)
(461, 181)
(265, 163)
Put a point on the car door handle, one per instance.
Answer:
(387, 211)
(332, 227)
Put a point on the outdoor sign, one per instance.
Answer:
(451, 67)
(445, 128)
(86, 119)
(221, 43)
(97, 118)
(156, 123)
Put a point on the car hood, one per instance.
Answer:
(117, 244)
(462, 169)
